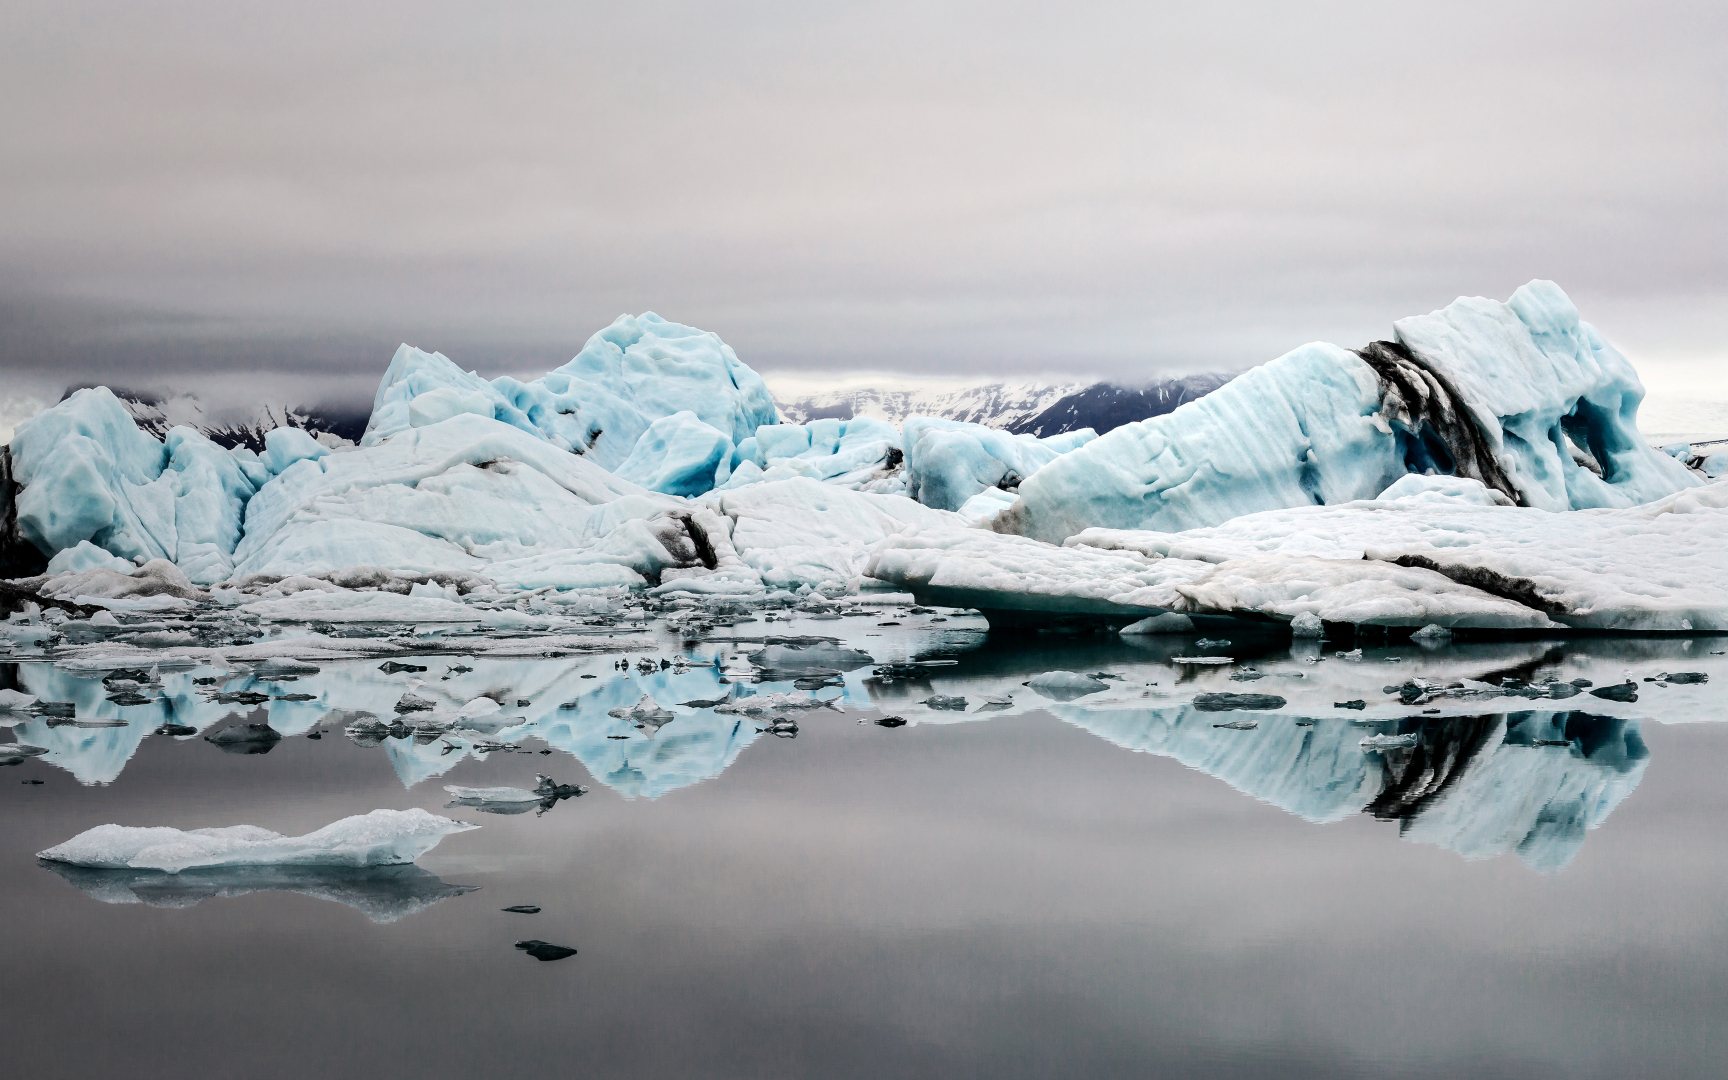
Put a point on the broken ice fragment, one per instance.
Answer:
(381, 838)
(522, 909)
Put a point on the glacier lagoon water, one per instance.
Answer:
(1139, 879)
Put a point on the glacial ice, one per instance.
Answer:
(1523, 396)
(1655, 567)
(381, 838)
(948, 462)
(89, 474)
(1375, 486)
(861, 453)
(678, 455)
(634, 372)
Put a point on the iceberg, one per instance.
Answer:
(381, 838)
(1524, 397)
(636, 371)
(678, 455)
(90, 476)
(948, 462)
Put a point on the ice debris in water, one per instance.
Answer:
(1225, 702)
(380, 838)
(1306, 624)
(1065, 685)
(545, 950)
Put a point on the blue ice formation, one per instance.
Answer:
(948, 462)
(857, 453)
(634, 372)
(89, 475)
(1523, 396)
(679, 455)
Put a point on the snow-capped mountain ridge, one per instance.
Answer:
(1041, 409)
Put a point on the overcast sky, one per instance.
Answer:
(195, 192)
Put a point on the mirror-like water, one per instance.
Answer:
(839, 848)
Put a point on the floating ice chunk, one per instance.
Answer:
(1432, 633)
(381, 838)
(1171, 622)
(678, 455)
(86, 556)
(1065, 685)
(474, 796)
(1306, 624)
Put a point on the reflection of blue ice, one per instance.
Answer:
(383, 894)
(1529, 782)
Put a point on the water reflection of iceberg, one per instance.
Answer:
(1525, 782)
(383, 894)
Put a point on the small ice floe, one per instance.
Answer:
(1227, 702)
(781, 728)
(1432, 634)
(391, 667)
(13, 753)
(1388, 742)
(1354, 703)
(545, 950)
(944, 701)
(646, 714)
(1212, 643)
(1307, 625)
(1171, 622)
(890, 721)
(246, 738)
(175, 731)
(1202, 659)
(1353, 654)
(1681, 678)
(522, 909)
(995, 704)
(1239, 725)
(415, 703)
(381, 838)
(764, 703)
(1065, 685)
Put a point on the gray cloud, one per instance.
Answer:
(1109, 189)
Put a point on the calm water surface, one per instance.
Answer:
(1106, 886)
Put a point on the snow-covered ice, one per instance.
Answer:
(381, 838)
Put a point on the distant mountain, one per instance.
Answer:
(1105, 406)
(995, 405)
(244, 426)
(1037, 408)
